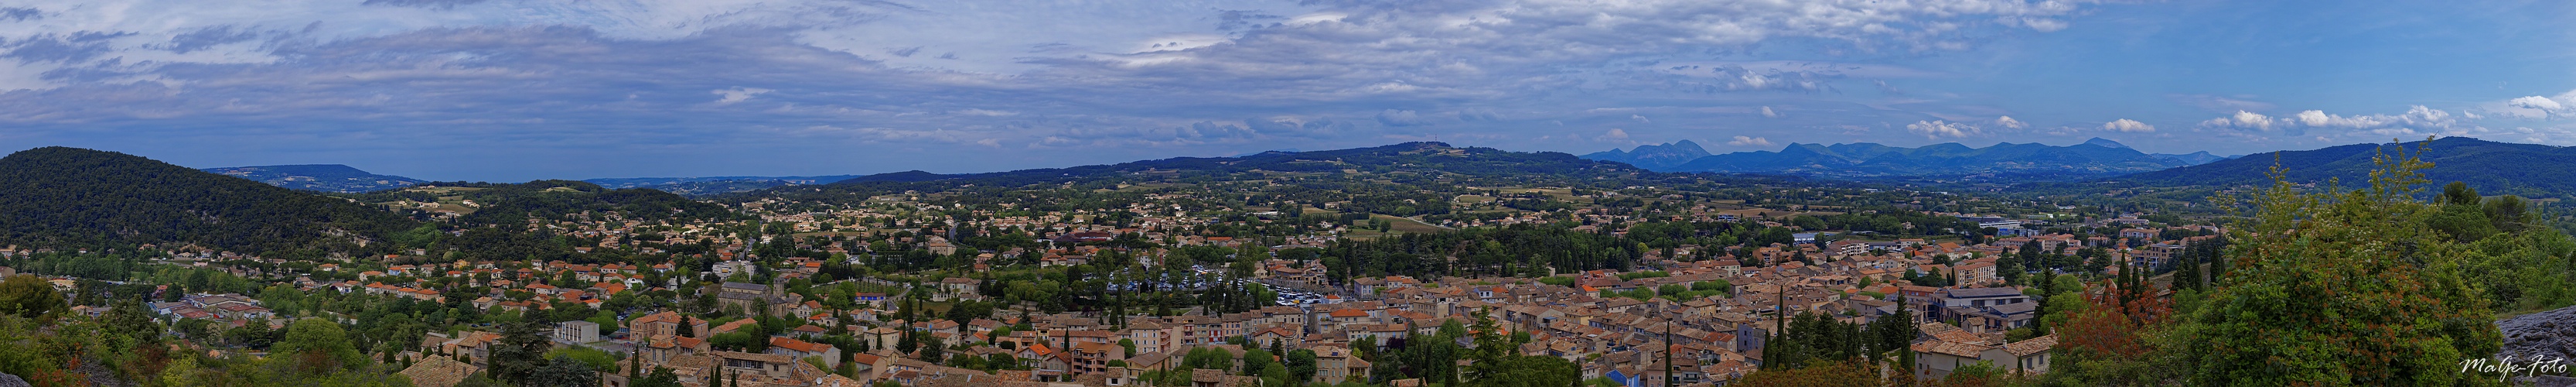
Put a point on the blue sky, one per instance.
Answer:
(507, 90)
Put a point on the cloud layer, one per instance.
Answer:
(464, 88)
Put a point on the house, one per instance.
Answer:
(801, 349)
(576, 332)
(958, 286)
(746, 297)
(1936, 358)
(1094, 357)
(884, 337)
(1977, 272)
(1334, 364)
(1995, 318)
(1280, 337)
(1950, 302)
(438, 371)
(668, 324)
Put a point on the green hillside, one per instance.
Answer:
(2494, 168)
(58, 196)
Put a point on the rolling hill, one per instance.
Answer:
(2097, 157)
(500, 203)
(318, 177)
(1413, 157)
(1399, 165)
(61, 196)
(2494, 168)
(704, 186)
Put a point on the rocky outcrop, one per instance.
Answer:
(2551, 334)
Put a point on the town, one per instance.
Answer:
(1174, 285)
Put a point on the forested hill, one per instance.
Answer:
(2494, 168)
(58, 196)
(1412, 161)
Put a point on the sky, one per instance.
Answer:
(504, 90)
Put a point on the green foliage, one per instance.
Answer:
(598, 360)
(1255, 359)
(318, 345)
(1301, 364)
(1534, 371)
(520, 352)
(739, 341)
(2343, 288)
(1817, 374)
(29, 296)
(661, 377)
(564, 371)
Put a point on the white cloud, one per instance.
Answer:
(2416, 120)
(2008, 122)
(737, 94)
(1750, 141)
(1937, 129)
(2125, 125)
(2562, 105)
(2537, 102)
(1766, 112)
(1614, 135)
(1640, 118)
(2242, 120)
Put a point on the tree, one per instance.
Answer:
(130, 319)
(2342, 288)
(564, 371)
(319, 346)
(1254, 359)
(2459, 194)
(1301, 364)
(520, 353)
(1837, 374)
(908, 342)
(2508, 213)
(29, 296)
(932, 350)
(2101, 329)
(661, 377)
(1535, 371)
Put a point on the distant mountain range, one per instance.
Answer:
(318, 177)
(2494, 168)
(2093, 158)
(1654, 157)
